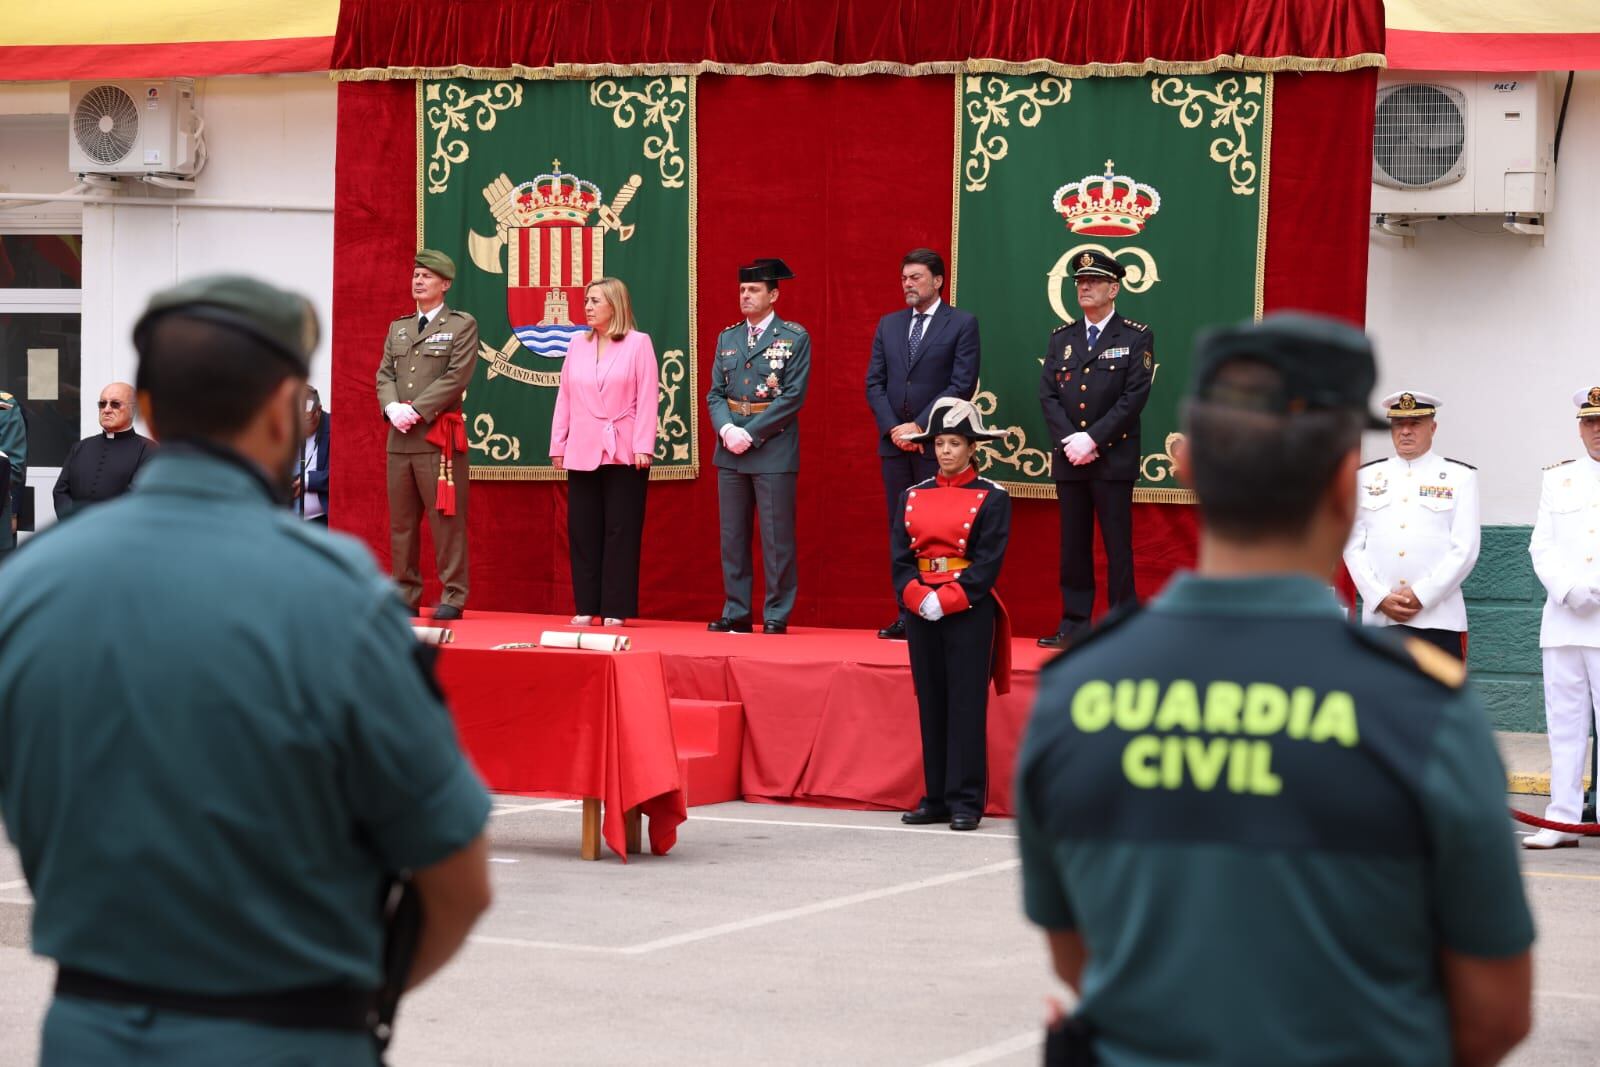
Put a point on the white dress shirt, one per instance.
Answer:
(1565, 548)
(1416, 528)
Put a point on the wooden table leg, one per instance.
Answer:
(591, 828)
(631, 821)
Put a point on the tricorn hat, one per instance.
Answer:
(952, 414)
(766, 270)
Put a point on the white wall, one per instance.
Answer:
(270, 141)
(1504, 331)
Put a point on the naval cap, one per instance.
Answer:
(1093, 263)
(1326, 364)
(438, 262)
(1588, 401)
(1411, 404)
(283, 321)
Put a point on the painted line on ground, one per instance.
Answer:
(817, 908)
(943, 831)
(1559, 874)
(1561, 995)
(555, 946)
(999, 1050)
(549, 805)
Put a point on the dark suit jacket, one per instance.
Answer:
(316, 479)
(1100, 392)
(900, 389)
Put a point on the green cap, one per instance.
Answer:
(438, 262)
(284, 321)
(1326, 365)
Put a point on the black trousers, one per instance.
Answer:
(605, 525)
(901, 472)
(1446, 640)
(950, 666)
(1081, 504)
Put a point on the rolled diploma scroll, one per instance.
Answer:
(596, 642)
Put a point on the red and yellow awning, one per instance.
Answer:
(165, 38)
(1493, 35)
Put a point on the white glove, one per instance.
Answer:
(736, 439)
(930, 608)
(402, 416)
(1080, 448)
(1583, 597)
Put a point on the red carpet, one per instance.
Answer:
(830, 715)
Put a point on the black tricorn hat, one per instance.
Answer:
(766, 270)
(952, 414)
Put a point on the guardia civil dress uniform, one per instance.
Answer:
(1566, 556)
(428, 365)
(207, 817)
(759, 385)
(1096, 385)
(947, 552)
(13, 465)
(1416, 528)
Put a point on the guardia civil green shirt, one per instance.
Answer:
(216, 740)
(1265, 825)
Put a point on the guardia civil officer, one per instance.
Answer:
(211, 788)
(948, 549)
(426, 365)
(1565, 548)
(1095, 383)
(13, 467)
(1253, 832)
(1416, 534)
(758, 386)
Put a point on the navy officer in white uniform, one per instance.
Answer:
(1416, 533)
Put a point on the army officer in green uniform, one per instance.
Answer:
(426, 365)
(13, 467)
(210, 787)
(758, 385)
(1253, 832)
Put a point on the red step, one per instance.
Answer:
(710, 739)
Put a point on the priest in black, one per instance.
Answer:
(102, 466)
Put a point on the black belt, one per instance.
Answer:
(318, 1008)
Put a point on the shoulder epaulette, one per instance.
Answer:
(731, 326)
(1458, 463)
(795, 326)
(412, 317)
(1113, 620)
(925, 483)
(1372, 462)
(1058, 329)
(992, 487)
(6, 398)
(1415, 653)
(1141, 327)
(1563, 463)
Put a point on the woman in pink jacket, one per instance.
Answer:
(604, 435)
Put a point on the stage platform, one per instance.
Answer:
(829, 716)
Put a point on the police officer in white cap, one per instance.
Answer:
(1416, 533)
(1566, 546)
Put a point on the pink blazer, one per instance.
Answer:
(606, 410)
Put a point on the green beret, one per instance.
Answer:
(284, 321)
(438, 262)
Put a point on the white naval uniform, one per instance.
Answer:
(1566, 555)
(1416, 528)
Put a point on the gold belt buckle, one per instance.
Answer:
(742, 406)
(940, 564)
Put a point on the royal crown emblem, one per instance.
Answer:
(1106, 205)
(1407, 402)
(555, 200)
(1594, 397)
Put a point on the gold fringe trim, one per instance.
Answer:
(579, 71)
(550, 474)
(955, 194)
(1265, 187)
(1047, 491)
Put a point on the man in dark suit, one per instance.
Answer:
(1095, 383)
(311, 484)
(926, 351)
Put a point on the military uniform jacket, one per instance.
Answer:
(13, 445)
(775, 372)
(1416, 528)
(1098, 391)
(1566, 548)
(429, 371)
(965, 517)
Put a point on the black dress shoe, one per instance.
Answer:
(770, 627)
(726, 625)
(964, 821)
(895, 631)
(925, 816)
(1061, 638)
(446, 613)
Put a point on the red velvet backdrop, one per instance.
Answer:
(864, 174)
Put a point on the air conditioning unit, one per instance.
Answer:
(1463, 144)
(133, 127)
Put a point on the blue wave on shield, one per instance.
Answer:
(548, 341)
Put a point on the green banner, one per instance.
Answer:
(536, 188)
(1166, 174)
